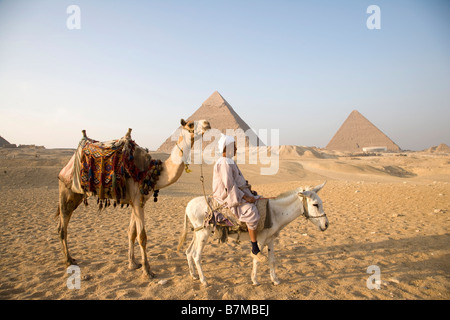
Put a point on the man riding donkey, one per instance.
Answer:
(232, 190)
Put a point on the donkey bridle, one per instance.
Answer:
(306, 211)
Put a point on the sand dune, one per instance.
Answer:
(294, 152)
(390, 211)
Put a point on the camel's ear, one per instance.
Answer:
(183, 122)
(317, 189)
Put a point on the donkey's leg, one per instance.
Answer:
(68, 202)
(255, 272)
(132, 234)
(202, 237)
(271, 257)
(138, 211)
(262, 241)
(189, 252)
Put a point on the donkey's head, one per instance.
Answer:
(313, 207)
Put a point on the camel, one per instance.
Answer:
(283, 209)
(172, 169)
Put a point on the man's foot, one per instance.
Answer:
(259, 256)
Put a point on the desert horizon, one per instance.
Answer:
(389, 210)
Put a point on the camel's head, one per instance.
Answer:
(196, 128)
(313, 207)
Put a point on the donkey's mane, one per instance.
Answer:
(290, 193)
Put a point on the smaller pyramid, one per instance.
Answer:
(357, 133)
(442, 148)
(6, 144)
(221, 116)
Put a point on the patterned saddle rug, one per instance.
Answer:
(101, 169)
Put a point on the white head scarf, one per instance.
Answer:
(224, 141)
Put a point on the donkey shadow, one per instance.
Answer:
(409, 258)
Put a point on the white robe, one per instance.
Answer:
(229, 187)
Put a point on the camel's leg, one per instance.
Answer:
(271, 257)
(132, 234)
(138, 213)
(68, 202)
(201, 239)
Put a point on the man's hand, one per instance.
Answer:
(249, 199)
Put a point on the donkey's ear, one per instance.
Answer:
(317, 189)
(183, 122)
(306, 193)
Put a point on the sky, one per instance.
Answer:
(299, 67)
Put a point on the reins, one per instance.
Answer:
(202, 179)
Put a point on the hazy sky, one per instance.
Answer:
(297, 66)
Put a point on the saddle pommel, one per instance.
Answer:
(128, 135)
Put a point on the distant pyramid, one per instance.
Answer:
(221, 116)
(6, 144)
(357, 133)
(442, 148)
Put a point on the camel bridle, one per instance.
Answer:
(192, 137)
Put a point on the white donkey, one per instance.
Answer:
(284, 209)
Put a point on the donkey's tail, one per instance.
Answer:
(184, 233)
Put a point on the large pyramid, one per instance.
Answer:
(221, 116)
(357, 133)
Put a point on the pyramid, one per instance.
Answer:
(442, 148)
(221, 116)
(357, 133)
(6, 144)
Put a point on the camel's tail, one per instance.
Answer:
(184, 233)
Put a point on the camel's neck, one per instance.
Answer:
(173, 167)
(286, 209)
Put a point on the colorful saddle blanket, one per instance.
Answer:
(105, 168)
(102, 171)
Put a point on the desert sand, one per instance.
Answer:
(389, 210)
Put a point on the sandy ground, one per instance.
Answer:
(390, 211)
